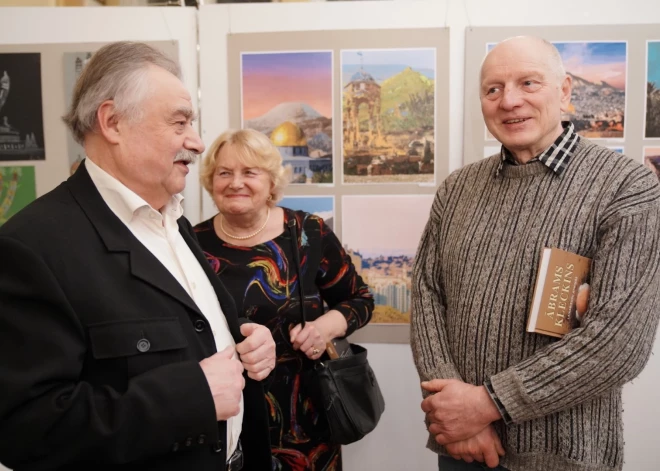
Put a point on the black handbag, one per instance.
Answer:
(345, 388)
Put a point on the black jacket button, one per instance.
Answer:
(201, 439)
(143, 345)
(200, 325)
(175, 447)
(188, 441)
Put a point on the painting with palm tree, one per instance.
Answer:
(652, 89)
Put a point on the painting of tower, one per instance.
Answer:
(362, 89)
(388, 115)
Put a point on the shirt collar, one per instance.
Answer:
(555, 157)
(124, 202)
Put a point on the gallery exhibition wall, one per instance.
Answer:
(59, 40)
(377, 210)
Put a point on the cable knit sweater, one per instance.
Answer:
(473, 281)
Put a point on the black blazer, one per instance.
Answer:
(100, 348)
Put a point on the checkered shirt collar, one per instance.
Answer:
(555, 157)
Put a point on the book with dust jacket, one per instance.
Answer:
(559, 276)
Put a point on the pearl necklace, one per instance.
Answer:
(222, 228)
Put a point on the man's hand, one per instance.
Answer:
(257, 351)
(582, 301)
(224, 373)
(484, 447)
(457, 410)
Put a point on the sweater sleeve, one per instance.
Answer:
(339, 283)
(428, 331)
(615, 341)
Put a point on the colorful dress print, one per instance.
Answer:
(263, 281)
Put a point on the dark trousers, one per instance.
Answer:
(447, 463)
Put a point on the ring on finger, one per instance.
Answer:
(316, 351)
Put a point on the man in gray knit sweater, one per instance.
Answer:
(493, 392)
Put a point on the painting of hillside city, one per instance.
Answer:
(383, 251)
(598, 101)
(17, 190)
(653, 89)
(652, 159)
(321, 206)
(388, 115)
(21, 120)
(74, 62)
(288, 97)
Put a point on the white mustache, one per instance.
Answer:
(186, 156)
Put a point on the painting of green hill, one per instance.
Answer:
(388, 115)
(407, 101)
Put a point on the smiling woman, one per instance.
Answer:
(249, 246)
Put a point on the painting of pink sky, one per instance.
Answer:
(269, 79)
(598, 101)
(596, 62)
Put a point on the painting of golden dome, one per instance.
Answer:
(288, 97)
(288, 134)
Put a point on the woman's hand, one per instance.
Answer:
(312, 339)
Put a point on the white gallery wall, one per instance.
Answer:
(399, 441)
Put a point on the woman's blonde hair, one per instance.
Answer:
(253, 149)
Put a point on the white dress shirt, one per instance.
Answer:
(158, 231)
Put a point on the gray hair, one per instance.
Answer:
(117, 72)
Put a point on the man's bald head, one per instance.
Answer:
(524, 90)
(545, 49)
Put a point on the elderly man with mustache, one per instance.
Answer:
(121, 349)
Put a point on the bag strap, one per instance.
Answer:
(296, 260)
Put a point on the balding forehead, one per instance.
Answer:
(518, 48)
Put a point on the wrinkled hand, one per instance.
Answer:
(224, 373)
(257, 351)
(484, 447)
(457, 410)
(310, 340)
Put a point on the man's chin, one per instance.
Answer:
(176, 185)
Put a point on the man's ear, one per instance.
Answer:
(108, 121)
(565, 91)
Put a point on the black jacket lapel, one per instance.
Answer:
(118, 238)
(227, 303)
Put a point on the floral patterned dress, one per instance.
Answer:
(263, 280)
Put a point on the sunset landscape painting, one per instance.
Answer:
(598, 101)
(288, 97)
